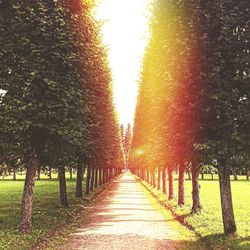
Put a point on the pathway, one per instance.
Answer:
(124, 219)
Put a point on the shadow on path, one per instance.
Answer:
(124, 218)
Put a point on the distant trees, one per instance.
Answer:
(57, 107)
(126, 140)
(193, 105)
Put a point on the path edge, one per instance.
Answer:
(50, 240)
(176, 217)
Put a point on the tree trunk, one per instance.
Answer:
(103, 175)
(181, 185)
(88, 179)
(92, 178)
(96, 177)
(100, 176)
(226, 198)
(83, 170)
(148, 176)
(159, 179)
(70, 173)
(170, 184)
(153, 176)
(110, 174)
(106, 175)
(27, 201)
(50, 174)
(5, 172)
(202, 175)
(79, 179)
(212, 177)
(196, 208)
(235, 175)
(248, 174)
(164, 180)
(39, 173)
(189, 174)
(14, 174)
(62, 187)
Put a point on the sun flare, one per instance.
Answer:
(125, 33)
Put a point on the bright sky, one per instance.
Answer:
(125, 32)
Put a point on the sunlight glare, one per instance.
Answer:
(125, 33)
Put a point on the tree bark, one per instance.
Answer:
(62, 187)
(14, 174)
(202, 175)
(164, 190)
(148, 176)
(92, 178)
(247, 174)
(88, 179)
(181, 185)
(39, 173)
(153, 178)
(196, 208)
(79, 179)
(100, 176)
(104, 175)
(27, 201)
(110, 174)
(235, 175)
(170, 183)
(96, 177)
(159, 179)
(70, 173)
(226, 198)
(83, 170)
(50, 174)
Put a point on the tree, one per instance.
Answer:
(42, 107)
(226, 93)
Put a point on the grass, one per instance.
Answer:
(47, 212)
(209, 223)
(186, 238)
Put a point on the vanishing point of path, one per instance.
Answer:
(125, 218)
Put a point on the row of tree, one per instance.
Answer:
(193, 106)
(56, 104)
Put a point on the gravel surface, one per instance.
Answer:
(124, 218)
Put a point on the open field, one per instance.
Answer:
(209, 224)
(47, 212)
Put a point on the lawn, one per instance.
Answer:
(47, 214)
(209, 224)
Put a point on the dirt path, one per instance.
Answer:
(125, 219)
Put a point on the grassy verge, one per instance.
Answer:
(208, 225)
(51, 222)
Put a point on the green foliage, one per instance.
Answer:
(194, 94)
(42, 107)
(226, 88)
(55, 73)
